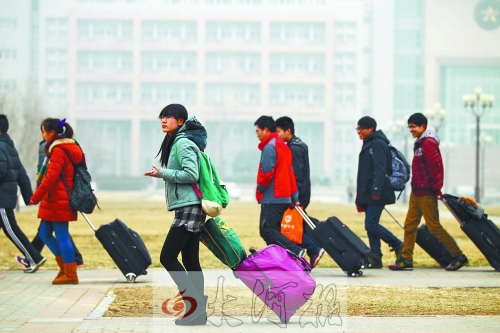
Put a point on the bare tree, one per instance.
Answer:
(25, 114)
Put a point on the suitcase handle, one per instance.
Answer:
(88, 221)
(305, 217)
(395, 219)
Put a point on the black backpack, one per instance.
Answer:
(82, 197)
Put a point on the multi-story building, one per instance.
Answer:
(110, 66)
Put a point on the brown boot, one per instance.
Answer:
(69, 277)
(60, 263)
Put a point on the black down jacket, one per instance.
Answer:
(374, 166)
(12, 174)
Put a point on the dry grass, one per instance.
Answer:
(358, 301)
(152, 221)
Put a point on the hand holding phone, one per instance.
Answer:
(151, 171)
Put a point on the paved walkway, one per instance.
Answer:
(29, 303)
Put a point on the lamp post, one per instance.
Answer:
(478, 104)
(486, 139)
(436, 115)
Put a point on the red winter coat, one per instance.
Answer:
(54, 199)
(427, 167)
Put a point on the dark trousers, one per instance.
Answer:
(270, 227)
(179, 240)
(39, 244)
(9, 225)
(377, 232)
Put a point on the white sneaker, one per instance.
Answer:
(35, 267)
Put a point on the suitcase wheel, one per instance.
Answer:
(131, 277)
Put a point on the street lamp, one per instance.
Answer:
(478, 104)
(436, 114)
(486, 139)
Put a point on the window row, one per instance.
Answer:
(215, 62)
(187, 31)
(216, 94)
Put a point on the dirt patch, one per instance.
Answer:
(351, 301)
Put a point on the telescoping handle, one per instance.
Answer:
(305, 217)
(395, 219)
(88, 221)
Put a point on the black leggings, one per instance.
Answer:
(179, 240)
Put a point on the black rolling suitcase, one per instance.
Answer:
(124, 246)
(347, 249)
(481, 231)
(430, 244)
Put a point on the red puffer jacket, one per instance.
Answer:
(54, 199)
(427, 167)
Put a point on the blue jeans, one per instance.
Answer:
(376, 232)
(308, 243)
(60, 245)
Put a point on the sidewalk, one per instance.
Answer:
(29, 303)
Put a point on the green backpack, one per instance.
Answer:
(212, 191)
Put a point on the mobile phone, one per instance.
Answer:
(150, 171)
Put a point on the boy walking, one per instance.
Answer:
(374, 190)
(300, 162)
(12, 175)
(276, 185)
(426, 184)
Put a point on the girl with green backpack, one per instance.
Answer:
(185, 136)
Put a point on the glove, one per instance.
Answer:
(361, 208)
(469, 200)
(376, 197)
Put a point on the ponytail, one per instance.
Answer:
(60, 127)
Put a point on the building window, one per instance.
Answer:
(296, 95)
(57, 29)
(345, 63)
(297, 33)
(108, 93)
(232, 94)
(408, 66)
(104, 30)
(8, 54)
(104, 61)
(169, 31)
(113, 158)
(171, 62)
(344, 95)
(297, 63)
(345, 33)
(222, 32)
(56, 91)
(166, 93)
(232, 63)
(8, 23)
(57, 60)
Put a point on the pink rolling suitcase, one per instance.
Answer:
(279, 278)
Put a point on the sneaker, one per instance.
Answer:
(457, 263)
(35, 267)
(79, 264)
(374, 261)
(315, 259)
(302, 253)
(401, 264)
(398, 251)
(23, 261)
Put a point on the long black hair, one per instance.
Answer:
(60, 127)
(177, 111)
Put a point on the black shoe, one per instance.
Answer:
(401, 264)
(457, 263)
(374, 260)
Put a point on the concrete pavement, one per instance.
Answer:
(29, 303)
